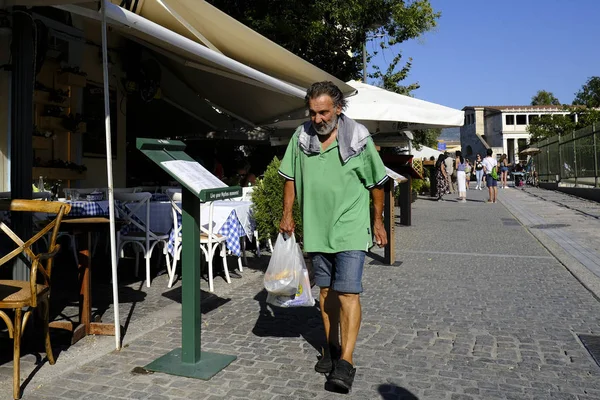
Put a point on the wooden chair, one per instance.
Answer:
(18, 295)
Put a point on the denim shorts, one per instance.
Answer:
(341, 271)
(490, 182)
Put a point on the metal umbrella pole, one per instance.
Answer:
(109, 172)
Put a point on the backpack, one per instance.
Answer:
(494, 173)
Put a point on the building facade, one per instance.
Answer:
(501, 128)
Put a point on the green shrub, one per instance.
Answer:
(426, 187)
(268, 203)
(417, 184)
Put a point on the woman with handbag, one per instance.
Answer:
(459, 167)
(479, 172)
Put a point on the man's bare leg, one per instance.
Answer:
(350, 318)
(330, 312)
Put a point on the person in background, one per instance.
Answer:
(449, 171)
(468, 171)
(441, 177)
(218, 170)
(489, 163)
(246, 178)
(504, 164)
(479, 172)
(461, 179)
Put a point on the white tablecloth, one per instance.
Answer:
(223, 208)
(161, 217)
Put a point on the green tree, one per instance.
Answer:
(543, 98)
(589, 94)
(551, 125)
(330, 33)
(584, 111)
(426, 137)
(391, 78)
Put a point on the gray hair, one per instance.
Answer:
(326, 88)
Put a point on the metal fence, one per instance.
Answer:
(570, 158)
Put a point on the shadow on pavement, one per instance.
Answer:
(289, 322)
(393, 392)
(208, 301)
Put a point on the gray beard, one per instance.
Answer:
(326, 128)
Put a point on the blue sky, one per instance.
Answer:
(501, 53)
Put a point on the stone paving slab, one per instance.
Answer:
(565, 225)
(477, 309)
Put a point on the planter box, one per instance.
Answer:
(71, 79)
(41, 97)
(55, 124)
(42, 143)
(64, 174)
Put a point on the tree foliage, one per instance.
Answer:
(589, 94)
(551, 125)
(330, 33)
(581, 114)
(426, 137)
(543, 98)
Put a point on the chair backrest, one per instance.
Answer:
(26, 247)
(130, 205)
(247, 193)
(136, 189)
(149, 189)
(175, 198)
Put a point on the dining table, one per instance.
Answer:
(86, 325)
(231, 219)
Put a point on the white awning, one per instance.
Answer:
(203, 23)
(382, 111)
(233, 87)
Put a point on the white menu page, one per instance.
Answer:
(194, 175)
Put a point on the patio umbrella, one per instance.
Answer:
(109, 172)
(530, 151)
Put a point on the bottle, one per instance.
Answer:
(41, 184)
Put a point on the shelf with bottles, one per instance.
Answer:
(42, 143)
(71, 76)
(51, 98)
(61, 123)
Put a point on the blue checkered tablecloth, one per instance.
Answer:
(232, 229)
(159, 197)
(88, 208)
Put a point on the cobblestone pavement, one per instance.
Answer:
(477, 309)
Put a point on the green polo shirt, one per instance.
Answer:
(334, 197)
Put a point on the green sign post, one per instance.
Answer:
(189, 360)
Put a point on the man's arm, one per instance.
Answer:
(378, 195)
(287, 224)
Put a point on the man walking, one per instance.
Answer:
(449, 161)
(332, 166)
(489, 163)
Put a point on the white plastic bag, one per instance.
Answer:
(285, 267)
(302, 298)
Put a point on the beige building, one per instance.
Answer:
(501, 128)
